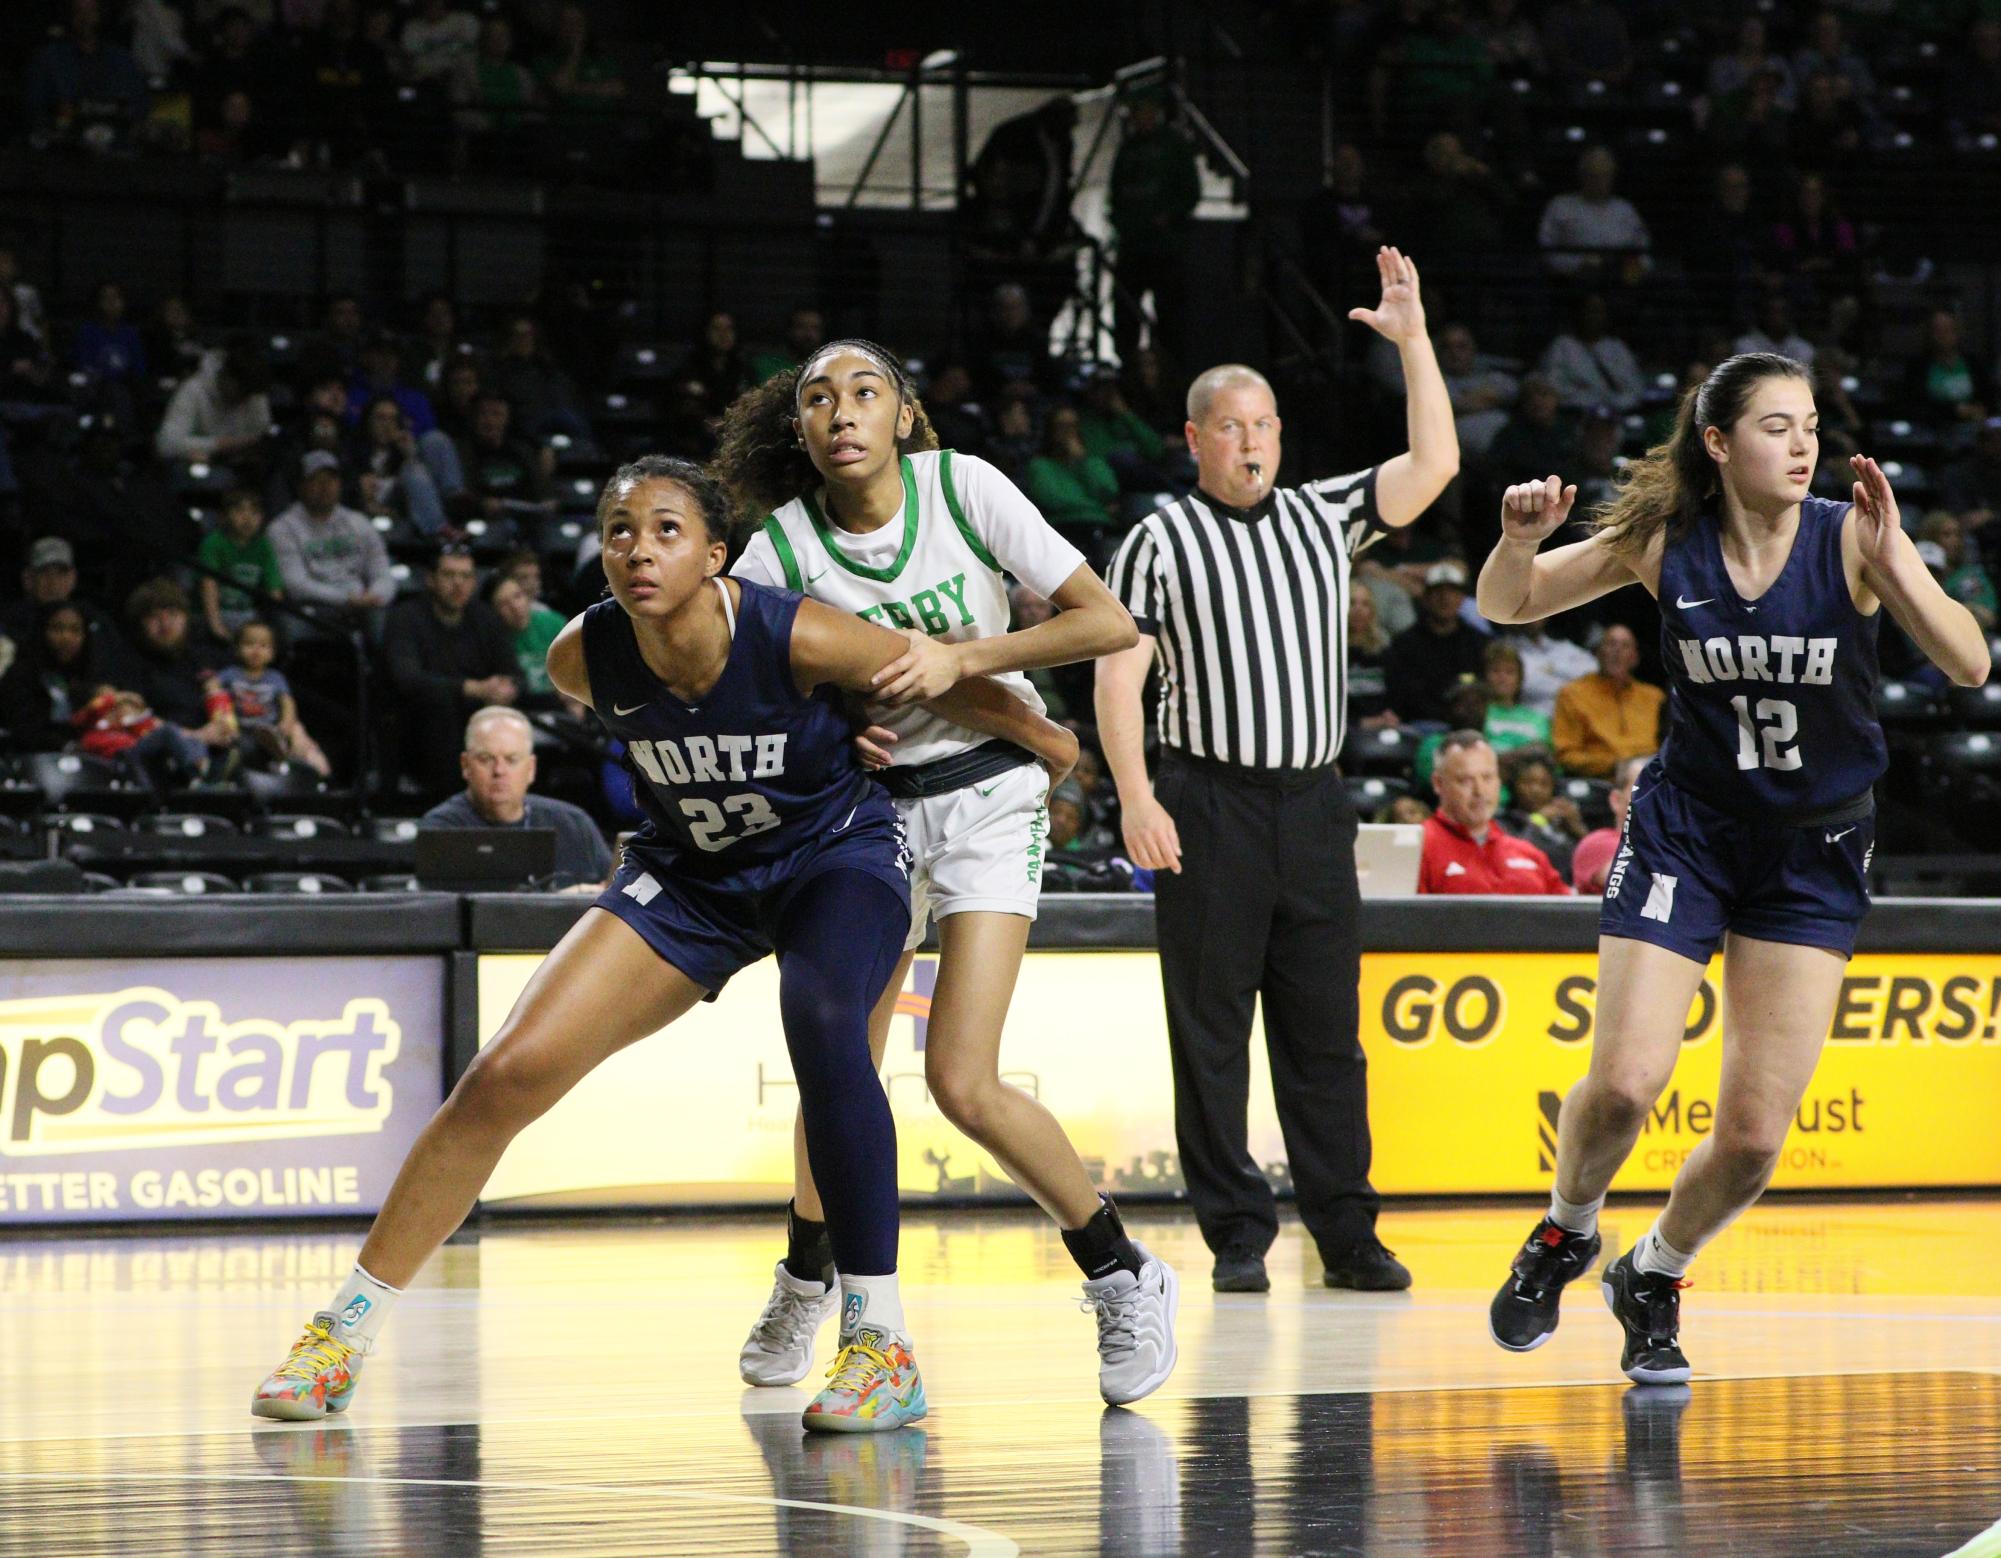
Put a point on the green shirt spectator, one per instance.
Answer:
(531, 629)
(239, 549)
(1156, 184)
(1066, 481)
(1106, 423)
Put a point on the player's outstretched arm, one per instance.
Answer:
(1944, 629)
(567, 671)
(1521, 584)
(836, 648)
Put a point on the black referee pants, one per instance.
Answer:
(1265, 905)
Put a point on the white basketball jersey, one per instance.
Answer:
(937, 569)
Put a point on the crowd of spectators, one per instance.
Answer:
(211, 523)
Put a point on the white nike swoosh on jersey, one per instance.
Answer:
(847, 819)
(1837, 837)
(1685, 605)
(617, 711)
(1454, 868)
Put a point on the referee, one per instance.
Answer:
(1242, 592)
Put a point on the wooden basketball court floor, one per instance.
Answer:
(572, 1389)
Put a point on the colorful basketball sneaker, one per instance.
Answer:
(318, 1376)
(779, 1350)
(873, 1387)
(1523, 1315)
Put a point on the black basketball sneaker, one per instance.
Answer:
(1523, 1314)
(1647, 1304)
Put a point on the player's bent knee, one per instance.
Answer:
(504, 1088)
(969, 1099)
(1751, 1150)
(1618, 1102)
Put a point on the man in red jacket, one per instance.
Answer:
(1465, 851)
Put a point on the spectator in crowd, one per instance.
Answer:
(1465, 709)
(1482, 391)
(1592, 858)
(578, 78)
(1753, 125)
(1012, 349)
(1368, 655)
(1774, 331)
(1507, 721)
(267, 715)
(175, 680)
(1826, 52)
(543, 398)
(1961, 574)
(1747, 61)
(532, 628)
(27, 298)
(1073, 487)
(1465, 850)
(240, 569)
(116, 511)
(494, 90)
(232, 65)
(1946, 386)
(1143, 384)
(438, 344)
(1513, 45)
(458, 399)
(1813, 245)
(504, 475)
(1830, 133)
(1593, 234)
(1430, 656)
(1393, 570)
(396, 473)
(1719, 243)
(1016, 209)
(1536, 813)
(54, 671)
(1343, 225)
(1972, 94)
(1586, 40)
(1014, 443)
(343, 87)
(1114, 432)
(716, 366)
(439, 42)
(174, 345)
(957, 415)
(336, 347)
(1459, 207)
(221, 414)
(1609, 714)
(381, 374)
(120, 728)
(805, 334)
(498, 765)
(329, 555)
(107, 345)
(49, 579)
(1535, 437)
(1596, 465)
(447, 655)
(1971, 485)
(1589, 365)
(1155, 188)
(82, 87)
(27, 373)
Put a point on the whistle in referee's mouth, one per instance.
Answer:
(1257, 471)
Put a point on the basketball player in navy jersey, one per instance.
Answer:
(1752, 828)
(762, 834)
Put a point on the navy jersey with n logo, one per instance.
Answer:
(1772, 702)
(752, 774)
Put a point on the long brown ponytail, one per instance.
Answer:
(1665, 489)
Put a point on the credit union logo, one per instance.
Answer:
(138, 1069)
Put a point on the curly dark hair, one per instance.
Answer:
(701, 486)
(758, 458)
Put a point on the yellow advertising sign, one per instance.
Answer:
(1469, 1056)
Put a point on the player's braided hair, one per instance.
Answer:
(1666, 488)
(758, 457)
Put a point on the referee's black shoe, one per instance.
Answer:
(1523, 1314)
(1369, 1268)
(1240, 1269)
(1647, 1305)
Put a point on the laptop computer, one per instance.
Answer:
(483, 860)
(1387, 855)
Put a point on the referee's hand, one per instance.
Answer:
(1151, 839)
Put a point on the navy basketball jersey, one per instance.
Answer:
(752, 773)
(1772, 702)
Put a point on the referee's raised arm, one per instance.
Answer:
(1240, 593)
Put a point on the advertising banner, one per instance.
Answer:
(212, 1087)
(1469, 1054)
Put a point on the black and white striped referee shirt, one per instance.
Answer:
(1249, 608)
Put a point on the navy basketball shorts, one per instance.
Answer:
(1686, 873)
(709, 928)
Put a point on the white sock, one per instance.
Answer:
(1574, 1216)
(360, 1307)
(871, 1301)
(1655, 1254)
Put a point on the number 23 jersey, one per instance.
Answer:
(755, 774)
(1771, 702)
